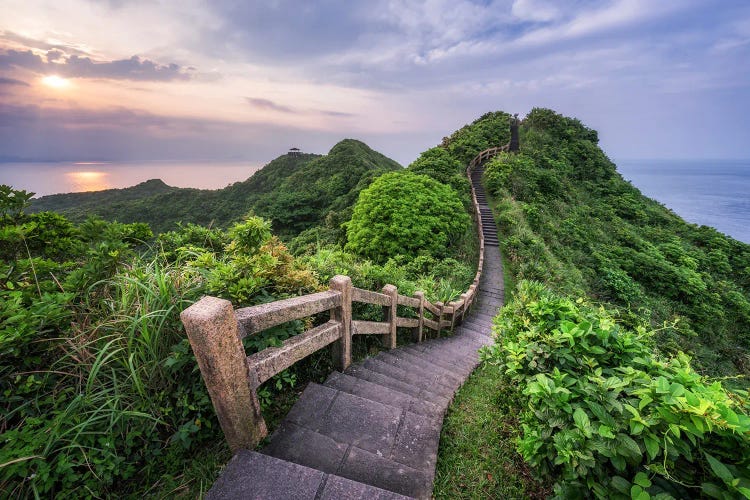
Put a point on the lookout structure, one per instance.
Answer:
(295, 152)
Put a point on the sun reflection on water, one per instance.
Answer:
(88, 180)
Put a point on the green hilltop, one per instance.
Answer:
(295, 192)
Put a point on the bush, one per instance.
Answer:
(405, 214)
(606, 416)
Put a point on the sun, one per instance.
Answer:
(55, 81)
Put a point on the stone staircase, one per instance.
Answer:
(373, 431)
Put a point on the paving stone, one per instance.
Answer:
(303, 446)
(366, 424)
(431, 384)
(417, 442)
(369, 468)
(454, 370)
(359, 371)
(251, 475)
(340, 488)
(461, 365)
(420, 367)
(312, 404)
(382, 394)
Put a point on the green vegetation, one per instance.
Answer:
(406, 214)
(100, 393)
(99, 390)
(294, 192)
(478, 457)
(607, 416)
(98, 386)
(567, 218)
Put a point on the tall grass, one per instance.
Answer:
(111, 403)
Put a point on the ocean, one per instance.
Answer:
(714, 193)
(68, 177)
(711, 192)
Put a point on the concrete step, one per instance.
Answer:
(420, 366)
(432, 383)
(253, 475)
(382, 394)
(359, 371)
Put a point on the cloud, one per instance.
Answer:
(12, 82)
(535, 10)
(76, 66)
(266, 104)
(269, 105)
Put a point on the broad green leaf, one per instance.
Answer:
(652, 446)
(662, 385)
(642, 480)
(719, 469)
(581, 419)
(606, 431)
(620, 484)
(646, 400)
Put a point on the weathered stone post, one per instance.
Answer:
(465, 300)
(441, 309)
(214, 335)
(454, 312)
(342, 350)
(420, 328)
(389, 312)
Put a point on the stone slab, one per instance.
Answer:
(369, 468)
(387, 381)
(382, 394)
(427, 383)
(250, 475)
(366, 424)
(294, 443)
(340, 488)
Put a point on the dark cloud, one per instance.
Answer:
(77, 66)
(12, 81)
(338, 114)
(267, 104)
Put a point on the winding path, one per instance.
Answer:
(373, 431)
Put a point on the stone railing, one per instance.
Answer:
(487, 154)
(215, 330)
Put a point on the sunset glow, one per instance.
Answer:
(229, 80)
(89, 180)
(56, 82)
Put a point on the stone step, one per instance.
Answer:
(359, 371)
(256, 476)
(450, 362)
(409, 364)
(382, 394)
(459, 371)
(433, 383)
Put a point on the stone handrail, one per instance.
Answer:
(215, 330)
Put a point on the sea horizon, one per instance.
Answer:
(711, 192)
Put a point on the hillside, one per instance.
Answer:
(294, 192)
(569, 219)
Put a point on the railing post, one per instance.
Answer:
(464, 298)
(389, 312)
(420, 328)
(440, 307)
(342, 350)
(454, 313)
(212, 329)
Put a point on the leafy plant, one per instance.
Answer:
(605, 415)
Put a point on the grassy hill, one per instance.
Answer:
(569, 219)
(294, 192)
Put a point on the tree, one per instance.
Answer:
(403, 213)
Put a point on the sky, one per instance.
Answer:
(246, 80)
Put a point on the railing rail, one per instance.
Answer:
(215, 330)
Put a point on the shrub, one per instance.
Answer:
(606, 416)
(405, 214)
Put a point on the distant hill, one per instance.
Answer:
(296, 192)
